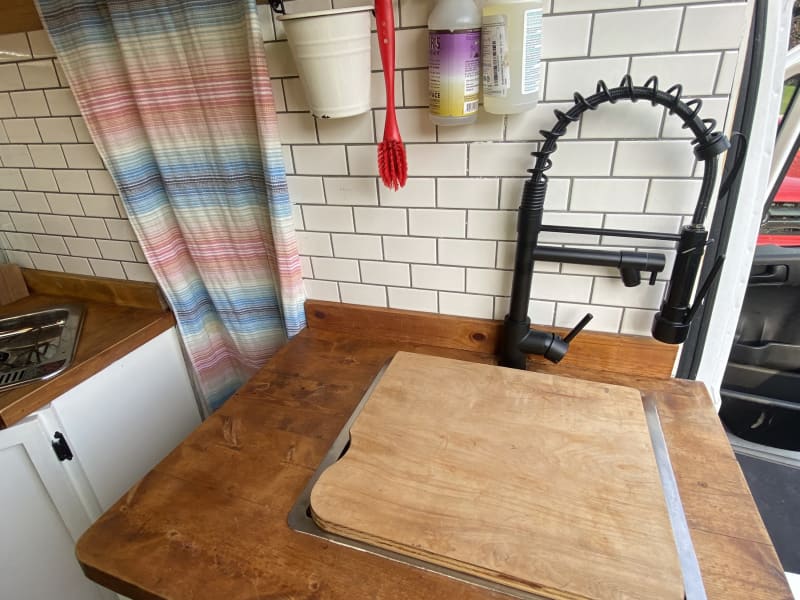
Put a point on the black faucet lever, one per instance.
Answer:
(551, 345)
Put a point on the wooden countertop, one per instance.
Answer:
(114, 325)
(210, 520)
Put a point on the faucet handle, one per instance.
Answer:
(578, 328)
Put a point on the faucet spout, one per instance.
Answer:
(671, 324)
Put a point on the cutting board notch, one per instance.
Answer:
(541, 483)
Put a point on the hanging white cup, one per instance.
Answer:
(331, 50)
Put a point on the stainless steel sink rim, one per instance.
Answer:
(30, 323)
(300, 518)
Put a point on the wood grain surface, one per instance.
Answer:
(209, 522)
(18, 16)
(109, 332)
(134, 294)
(12, 284)
(543, 483)
(612, 353)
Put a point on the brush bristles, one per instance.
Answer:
(392, 164)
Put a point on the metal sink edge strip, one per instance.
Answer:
(68, 343)
(300, 520)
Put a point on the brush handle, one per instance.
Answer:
(384, 19)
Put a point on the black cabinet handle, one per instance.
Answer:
(771, 274)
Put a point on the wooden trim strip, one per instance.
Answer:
(616, 353)
(134, 294)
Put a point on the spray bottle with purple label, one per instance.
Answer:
(454, 64)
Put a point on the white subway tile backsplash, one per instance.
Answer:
(319, 160)
(296, 128)
(32, 202)
(636, 321)
(29, 223)
(418, 191)
(695, 72)
(8, 201)
(466, 305)
(467, 192)
(363, 160)
(411, 299)
(107, 268)
(566, 36)
(576, 158)
(561, 288)
(40, 44)
(22, 241)
(10, 78)
(412, 48)
(305, 190)
(14, 47)
(90, 227)
(606, 318)
(56, 130)
(572, 219)
(564, 78)
(385, 273)
(352, 130)
(75, 265)
(654, 159)
(727, 31)
(114, 250)
(39, 179)
(436, 159)
(560, 6)
(120, 229)
(357, 293)
(57, 225)
(47, 156)
(378, 91)
(437, 223)
(321, 290)
(647, 222)
(82, 247)
(409, 249)
(713, 108)
(525, 126)
(351, 191)
(492, 225)
(608, 195)
(6, 107)
(138, 272)
(450, 279)
(73, 181)
(415, 88)
(46, 262)
(30, 104)
(636, 31)
(279, 59)
(95, 205)
(357, 246)
(467, 253)
(487, 127)
(390, 221)
(81, 131)
(38, 74)
(21, 131)
(65, 204)
(336, 269)
(612, 292)
(313, 243)
(328, 218)
(52, 244)
(13, 155)
(488, 281)
(415, 13)
(676, 196)
(727, 72)
(11, 179)
(489, 159)
(295, 94)
(61, 102)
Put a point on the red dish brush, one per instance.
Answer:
(392, 164)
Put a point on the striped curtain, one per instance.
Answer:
(177, 98)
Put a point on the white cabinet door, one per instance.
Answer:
(43, 516)
(121, 422)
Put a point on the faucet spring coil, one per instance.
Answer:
(707, 142)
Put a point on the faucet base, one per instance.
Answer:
(510, 354)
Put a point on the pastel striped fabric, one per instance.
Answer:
(177, 97)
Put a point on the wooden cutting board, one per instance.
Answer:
(542, 483)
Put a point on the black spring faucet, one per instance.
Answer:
(671, 324)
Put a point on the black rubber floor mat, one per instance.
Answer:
(776, 489)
